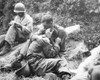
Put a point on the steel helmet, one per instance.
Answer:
(19, 7)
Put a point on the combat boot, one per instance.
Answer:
(6, 49)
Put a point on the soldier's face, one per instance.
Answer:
(47, 25)
(21, 14)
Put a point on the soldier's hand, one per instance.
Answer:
(48, 33)
(17, 25)
(58, 40)
(12, 22)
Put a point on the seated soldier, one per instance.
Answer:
(20, 29)
(41, 57)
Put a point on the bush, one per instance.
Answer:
(65, 13)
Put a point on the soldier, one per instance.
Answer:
(47, 22)
(20, 29)
(42, 58)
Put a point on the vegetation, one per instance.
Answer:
(65, 13)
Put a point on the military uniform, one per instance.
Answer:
(20, 29)
(36, 56)
(27, 26)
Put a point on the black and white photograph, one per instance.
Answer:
(49, 39)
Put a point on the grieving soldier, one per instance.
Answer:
(20, 29)
(42, 58)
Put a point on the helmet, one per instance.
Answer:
(47, 18)
(19, 7)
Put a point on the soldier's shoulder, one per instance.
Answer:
(59, 27)
(29, 17)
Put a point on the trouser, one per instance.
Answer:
(40, 67)
(14, 34)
